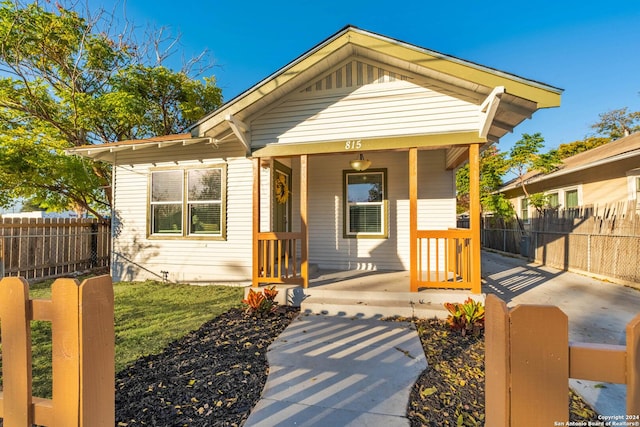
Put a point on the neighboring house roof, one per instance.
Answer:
(517, 98)
(619, 149)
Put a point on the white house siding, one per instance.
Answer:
(327, 246)
(137, 257)
(381, 109)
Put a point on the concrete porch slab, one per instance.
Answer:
(369, 294)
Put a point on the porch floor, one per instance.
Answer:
(359, 293)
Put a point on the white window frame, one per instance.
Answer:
(521, 209)
(383, 205)
(185, 230)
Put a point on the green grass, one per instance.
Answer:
(148, 316)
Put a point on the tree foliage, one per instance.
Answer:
(493, 166)
(525, 158)
(576, 147)
(67, 81)
(618, 123)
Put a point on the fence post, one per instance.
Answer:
(539, 365)
(16, 352)
(633, 367)
(65, 352)
(497, 356)
(97, 353)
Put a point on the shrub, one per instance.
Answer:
(261, 303)
(466, 317)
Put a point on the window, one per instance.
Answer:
(553, 201)
(187, 202)
(365, 203)
(571, 199)
(524, 209)
(638, 190)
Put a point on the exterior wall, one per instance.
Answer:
(138, 257)
(327, 246)
(598, 185)
(375, 105)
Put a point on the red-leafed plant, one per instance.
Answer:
(467, 317)
(261, 303)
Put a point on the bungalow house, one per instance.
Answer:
(606, 174)
(344, 158)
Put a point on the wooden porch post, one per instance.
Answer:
(304, 229)
(474, 215)
(413, 218)
(255, 274)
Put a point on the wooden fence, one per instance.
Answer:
(599, 240)
(37, 248)
(82, 357)
(529, 360)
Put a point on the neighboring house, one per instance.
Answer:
(344, 158)
(606, 174)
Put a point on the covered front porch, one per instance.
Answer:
(438, 258)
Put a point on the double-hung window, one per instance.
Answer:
(524, 209)
(187, 202)
(570, 199)
(365, 196)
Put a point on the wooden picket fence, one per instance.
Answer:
(37, 248)
(83, 355)
(529, 360)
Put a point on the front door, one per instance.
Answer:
(281, 197)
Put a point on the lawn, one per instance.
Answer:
(148, 316)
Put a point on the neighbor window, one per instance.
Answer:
(571, 199)
(638, 190)
(187, 202)
(365, 203)
(552, 200)
(524, 209)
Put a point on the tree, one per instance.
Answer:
(579, 146)
(66, 81)
(493, 167)
(525, 157)
(616, 124)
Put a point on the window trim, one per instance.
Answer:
(523, 200)
(186, 234)
(385, 207)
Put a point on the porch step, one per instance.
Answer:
(426, 304)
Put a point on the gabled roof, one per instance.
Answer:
(522, 95)
(619, 149)
(505, 99)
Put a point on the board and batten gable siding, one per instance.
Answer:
(377, 104)
(327, 246)
(138, 257)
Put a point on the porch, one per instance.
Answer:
(434, 259)
(368, 294)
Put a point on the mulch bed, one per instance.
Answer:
(215, 375)
(210, 377)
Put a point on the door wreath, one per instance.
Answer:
(282, 192)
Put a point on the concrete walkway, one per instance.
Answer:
(598, 312)
(337, 371)
(340, 371)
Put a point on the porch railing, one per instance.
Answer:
(280, 257)
(444, 259)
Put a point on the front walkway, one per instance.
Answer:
(598, 311)
(337, 371)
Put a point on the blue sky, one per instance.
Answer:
(589, 49)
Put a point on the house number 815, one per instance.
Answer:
(355, 144)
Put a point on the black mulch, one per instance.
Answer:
(214, 376)
(211, 377)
